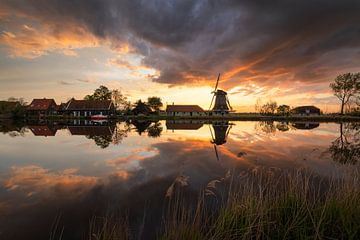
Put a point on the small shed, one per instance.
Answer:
(185, 110)
(306, 110)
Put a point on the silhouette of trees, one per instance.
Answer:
(345, 87)
(155, 103)
(120, 101)
(268, 108)
(283, 110)
(141, 108)
(101, 93)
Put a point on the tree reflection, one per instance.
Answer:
(13, 129)
(346, 148)
(141, 125)
(154, 130)
(120, 132)
(267, 127)
(101, 141)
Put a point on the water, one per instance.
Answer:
(76, 170)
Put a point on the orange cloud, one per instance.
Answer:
(34, 180)
(30, 42)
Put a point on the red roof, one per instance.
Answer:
(41, 104)
(184, 108)
(89, 105)
(42, 130)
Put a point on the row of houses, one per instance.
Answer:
(197, 111)
(74, 108)
(87, 108)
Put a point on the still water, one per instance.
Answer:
(69, 172)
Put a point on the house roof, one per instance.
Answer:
(41, 104)
(61, 106)
(42, 130)
(304, 108)
(184, 108)
(89, 105)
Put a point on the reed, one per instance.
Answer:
(271, 205)
(257, 204)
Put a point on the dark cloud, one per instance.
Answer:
(190, 41)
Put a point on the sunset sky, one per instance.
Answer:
(284, 50)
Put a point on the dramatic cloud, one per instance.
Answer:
(190, 41)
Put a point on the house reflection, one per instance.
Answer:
(270, 127)
(43, 130)
(184, 124)
(305, 125)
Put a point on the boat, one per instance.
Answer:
(98, 117)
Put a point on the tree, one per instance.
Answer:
(345, 87)
(141, 108)
(283, 110)
(101, 93)
(155, 103)
(119, 100)
(268, 108)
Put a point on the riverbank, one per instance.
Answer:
(258, 204)
(229, 117)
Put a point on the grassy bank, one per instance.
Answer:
(266, 204)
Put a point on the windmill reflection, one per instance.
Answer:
(221, 132)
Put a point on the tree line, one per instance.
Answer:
(346, 87)
(122, 104)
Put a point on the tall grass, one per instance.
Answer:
(258, 204)
(271, 205)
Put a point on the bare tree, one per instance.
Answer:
(345, 87)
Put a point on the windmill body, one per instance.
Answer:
(222, 104)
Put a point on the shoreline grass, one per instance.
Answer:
(261, 204)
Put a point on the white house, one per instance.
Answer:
(185, 111)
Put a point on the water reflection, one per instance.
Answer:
(346, 148)
(78, 169)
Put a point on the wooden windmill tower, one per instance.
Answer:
(222, 104)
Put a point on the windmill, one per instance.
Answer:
(222, 104)
(221, 132)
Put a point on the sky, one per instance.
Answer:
(283, 50)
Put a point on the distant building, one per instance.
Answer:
(185, 110)
(42, 107)
(306, 110)
(87, 108)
